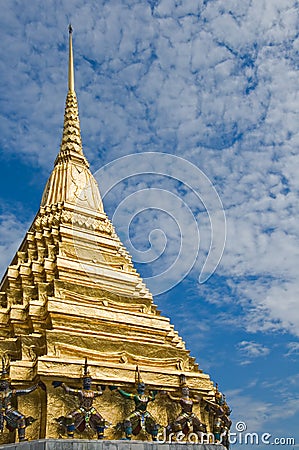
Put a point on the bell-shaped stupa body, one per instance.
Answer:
(71, 292)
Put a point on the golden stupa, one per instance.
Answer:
(71, 292)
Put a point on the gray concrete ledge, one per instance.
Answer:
(84, 444)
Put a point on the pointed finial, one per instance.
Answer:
(86, 371)
(138, 378)
(71, 61)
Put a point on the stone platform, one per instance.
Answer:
(82, 444)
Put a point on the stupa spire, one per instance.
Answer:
(71, 60)
(71, 144)
(71, 179)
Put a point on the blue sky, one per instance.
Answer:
(214, 82)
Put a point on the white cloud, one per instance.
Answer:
(250, 350)
(293, 349)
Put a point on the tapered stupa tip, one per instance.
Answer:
(71, 61)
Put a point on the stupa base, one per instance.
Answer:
(83, 444)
